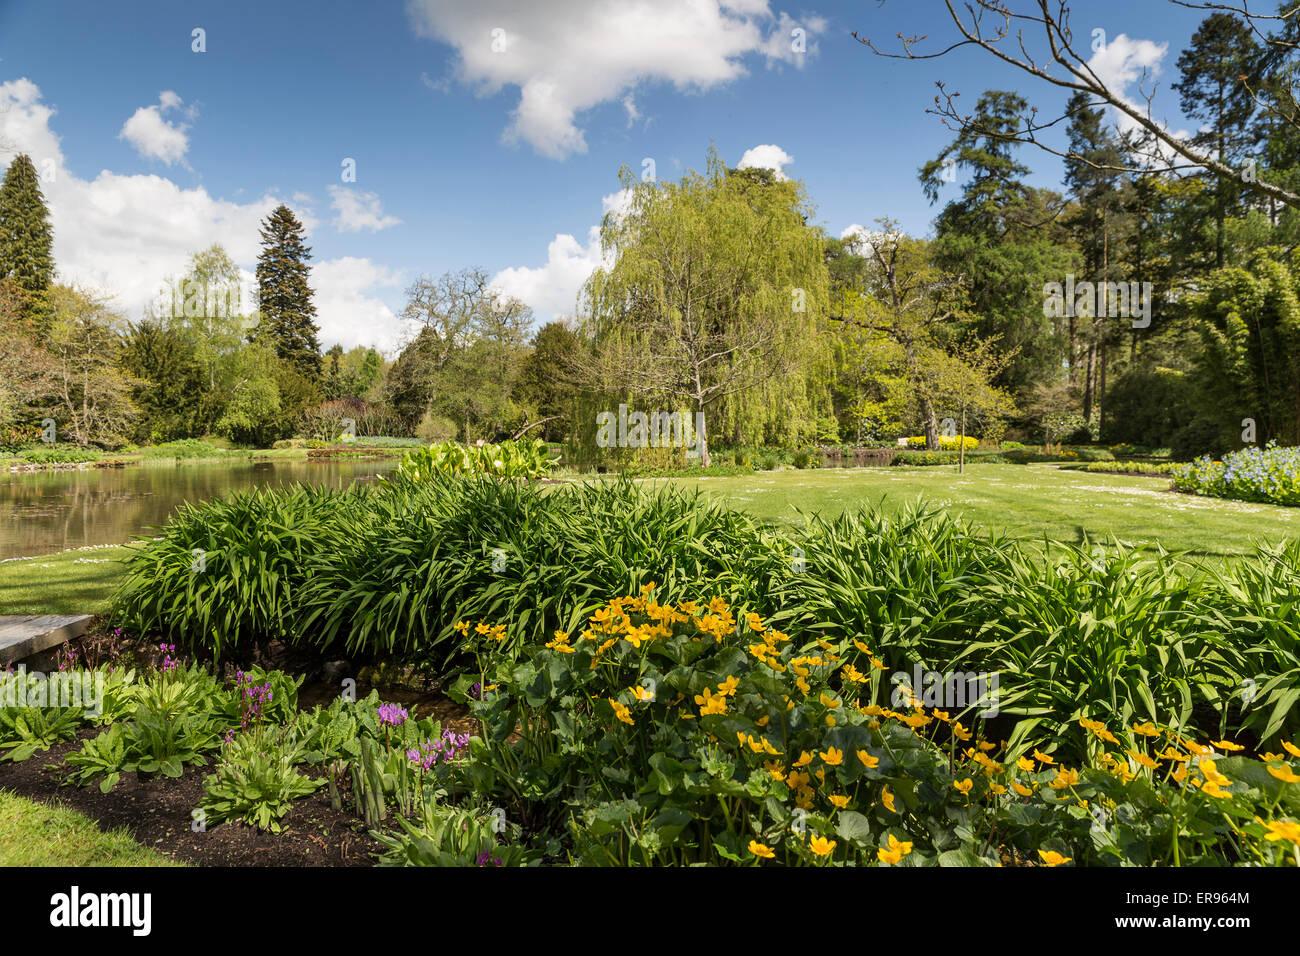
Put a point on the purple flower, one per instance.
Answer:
(486, 859)
(392, 714)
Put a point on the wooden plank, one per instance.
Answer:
(24, 635)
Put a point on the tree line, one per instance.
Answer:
(722, 297)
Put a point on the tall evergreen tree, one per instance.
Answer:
(1098, 223)
(26, 239)
(1217, 71)
(288, 315)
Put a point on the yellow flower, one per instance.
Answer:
(710, 704)
(963, 786)
(887, 799)
(647, 588)
(641, 693)
(621, 711)
(774, 768)
(1052, 858)
(1227, 745)
(463, 627)
(758, 849)
(1291, 748)
(1025, 764)
(1064, 778)
(822, 846)
(1143, 759)
(852, 674)
(1146, 730)
(1283, 830)
(893, 850)
(1043, 758)
(839, 800)
(833, 757)
(728, 686)
(1021, 789)
(868, 761)
(830, 702)
(1284, 773)
(804, 760)
(960, 732)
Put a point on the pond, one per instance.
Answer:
(47, 511)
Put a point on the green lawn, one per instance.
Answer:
(1032, 500)
(33, 834)
(70, 582)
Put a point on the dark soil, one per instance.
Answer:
(157, 812)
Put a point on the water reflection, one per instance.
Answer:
(44, 512)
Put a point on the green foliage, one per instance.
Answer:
(253, 553)
(182, 448)
(687, 734)
(26, 730)
(256, 781)
(53, 454)
(507, 459)
(173, 725)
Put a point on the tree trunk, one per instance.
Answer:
(931, 424)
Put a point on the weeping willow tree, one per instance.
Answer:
(713, 301)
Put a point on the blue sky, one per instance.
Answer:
(466, 154)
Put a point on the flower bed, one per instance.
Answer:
(1269, 474)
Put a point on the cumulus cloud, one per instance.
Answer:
(568, 56)
(154, 137)
(124, 235)
(766, 157)
(346, 306)
(552, 289)
(356, 210)
(1123, 64)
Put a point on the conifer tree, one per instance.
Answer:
(288, 316)
(26, 239)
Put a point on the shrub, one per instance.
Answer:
(16, 437)
(182, 448)
(436, 428)
(226, 572)
(60, 454)
(1269, 474)
(807, 458)
(946, 442)
(509, 459)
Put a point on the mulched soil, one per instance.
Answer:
(157, 812)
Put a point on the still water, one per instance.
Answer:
(48, 511)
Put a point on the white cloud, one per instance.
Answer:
(152, 136)
(125, 235)
(1123, 64)
(356, 210)
(347, 310)
(552, 289)
(567, 56)
(766, 157)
